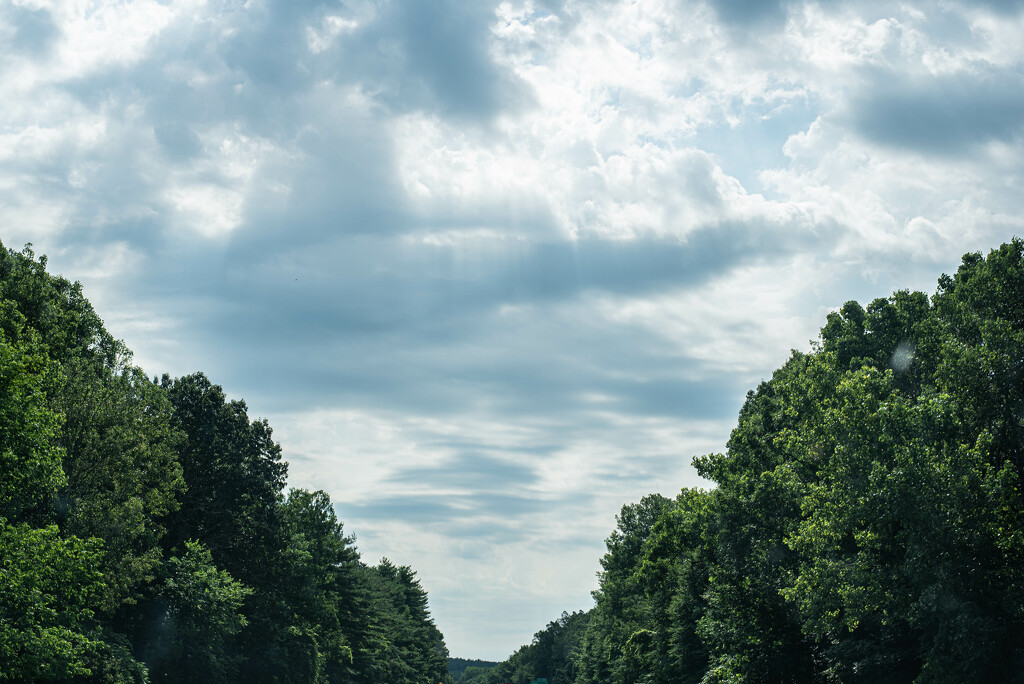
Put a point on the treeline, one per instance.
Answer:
(550, 655)
(457, 666)
(145, 533)
(868, 519)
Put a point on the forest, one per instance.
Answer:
(146, 534)
(866, 523)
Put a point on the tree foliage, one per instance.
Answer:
(47, 626)
(145, 534)
(867, 520)
(199, 610)
(552, 655)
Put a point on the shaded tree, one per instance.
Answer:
(198, 610)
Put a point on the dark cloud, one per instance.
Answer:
(478, 538)
(374, 285)
(681, 397)
(450, 508)
(269, 44)
(432, 56)
(445, 52)
(642, 469)
(763, 14)
(341, 184)
(1004, 6)
(471, 470)
(382, 322)
(413, 508)
(34, 31)
(748, 13)
(946, 115)
(488, 363)
(178, 140)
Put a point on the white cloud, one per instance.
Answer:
(332, 26)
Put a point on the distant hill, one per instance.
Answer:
(458, 665)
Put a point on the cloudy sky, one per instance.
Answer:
(493, 270)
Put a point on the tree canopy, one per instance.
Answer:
(145, 530)
(868, 521)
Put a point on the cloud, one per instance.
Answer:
(445, 52)
(473, 471)
(447, 508)
(389, 322)
(31, 32)
(1005, 6)
(430, 56)
(945, 115)
(747, 13)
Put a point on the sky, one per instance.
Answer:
(493, 270)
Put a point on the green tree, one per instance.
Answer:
(552, 655)
(675, 576)
(146, 522)
(123, 472)
(117, 471)
(234, 477)
(47, 587)
(616, 644)
(405, 645)
(866, 525)
(324, 588)
(30, 453)
(473, 674)
(199, 610)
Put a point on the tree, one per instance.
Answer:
(233, 475)
(674, 575)
(30, 454)
(614, 648)
(108, 465)
(323, 588)
(47, 587)
(198, 611)
(123, 475)
(866, 524)
(405, 645)
(146, 522)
